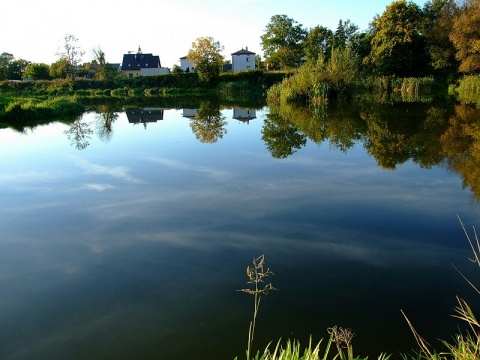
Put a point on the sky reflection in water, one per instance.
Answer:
(136, 247)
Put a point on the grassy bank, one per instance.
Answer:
(28, 112)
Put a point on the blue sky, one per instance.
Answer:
(34, 30)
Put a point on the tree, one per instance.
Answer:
(318, 42)
(39, 71)
(282, 42)
(5, 60)
(345, 34)
(72, 53)
(397, 45)
(60, 69)
(436, 27)
(466, 37)
(206, 56)
(16, 68)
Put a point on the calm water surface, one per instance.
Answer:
(129, 241)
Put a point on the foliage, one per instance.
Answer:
(206, 56)
(436, 26)
(469, 90)
(5, 60)
(60, 69)
(466, 37)
(318, 42)
(16, 69)
(282, 42)
(397, 45)
(336, 75)
(39, 71)
(345, 34)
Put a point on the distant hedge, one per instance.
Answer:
(178, 81)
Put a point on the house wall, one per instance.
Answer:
(185, 64)
(154, 71)
(131, 73)
(243, 62)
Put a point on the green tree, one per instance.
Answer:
(466, 37)
(206, 55)
(436, 26)
(72, 53)
(60, 69)
(16, 68)
(318, 42)
(398, 48)
(282, 42)
(345, 35)
(5, 60)
(38, 71)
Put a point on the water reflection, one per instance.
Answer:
(79, 133)
(208, 125)
(429, 134)
(104, 120)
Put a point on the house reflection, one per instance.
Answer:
(144, 115)
(190, 113)
(244, 115)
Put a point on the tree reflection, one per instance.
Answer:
(79, 134)
(461, 146)
(103, 123)
(281, 137)
(209, 124)
(401, 132)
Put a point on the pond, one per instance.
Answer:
(126, 234)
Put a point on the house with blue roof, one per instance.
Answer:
(141, 64)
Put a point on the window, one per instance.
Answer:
(248, 59)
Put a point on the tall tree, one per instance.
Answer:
(318, 42)
(206, 56)
(5, 60)
(282, 42)
(466, 37)
(398, 47)
(100, 71)
(72, 53)
(436, 26)
(345, 34)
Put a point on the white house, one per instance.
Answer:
(186, 65)
(243, 60)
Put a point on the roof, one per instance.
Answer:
(139, 61)
(243, 52)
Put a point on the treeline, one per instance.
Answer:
(438, 41)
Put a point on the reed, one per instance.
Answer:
(257, 275)
(466, 346)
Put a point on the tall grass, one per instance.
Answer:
(316, 81)
(468, 90)
(257, 275)
(466, 346)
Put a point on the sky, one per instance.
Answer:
(34, 30)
